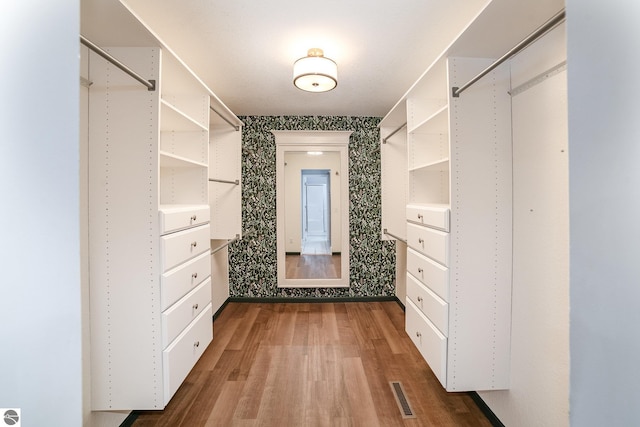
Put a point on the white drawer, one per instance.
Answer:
(434, 307)
(436, 216)
(435, 276)
(179, 315)
(175, 248)
(184, 352)
(174, 218)
(175, 283)
(430, 242)
(429, 341)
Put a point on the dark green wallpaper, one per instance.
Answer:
(252, 260)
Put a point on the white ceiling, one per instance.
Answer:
(244, 49)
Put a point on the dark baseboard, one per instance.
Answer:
(400, 304)
(128, 422)
(493, 419)
(298, 253)
(217, 313)
(311, 299)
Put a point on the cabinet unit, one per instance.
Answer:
(459, 224)
(457, 216)
(149, 223)
(149, 228)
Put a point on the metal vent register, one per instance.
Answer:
(401, 400)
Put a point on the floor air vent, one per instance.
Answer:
(401, 400)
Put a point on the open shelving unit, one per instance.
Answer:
(150, 215)
(457, 210)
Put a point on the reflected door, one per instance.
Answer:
(316, 201)
(315, 210)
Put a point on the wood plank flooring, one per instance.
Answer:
(311, 364)
(312, 266)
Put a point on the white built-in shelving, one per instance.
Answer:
(457, 207)
(150, 216)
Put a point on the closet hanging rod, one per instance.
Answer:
(224, 181)
(555, 20)
(237, 128)
(213, 251)
(384, 140)
(150, 84)
(394, 236)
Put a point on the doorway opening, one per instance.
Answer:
(315, 211)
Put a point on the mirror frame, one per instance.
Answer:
(292, 140)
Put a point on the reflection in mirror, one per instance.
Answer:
(312, 208)
(312, 214)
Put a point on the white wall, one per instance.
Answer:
(539, 389)
(604, 138)
(40, 304)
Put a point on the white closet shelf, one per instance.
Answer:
(173, 119)
(168, 160)
(436, 123)
(441, 165)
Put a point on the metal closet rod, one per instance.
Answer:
(555, 20)
(384, 140)
(213, 251)
(394, 236)
(224, 181)
(150, 84)
(237, 128)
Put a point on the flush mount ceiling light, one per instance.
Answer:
(314, 72)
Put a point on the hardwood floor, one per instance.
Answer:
(312, 266)
(311, 364)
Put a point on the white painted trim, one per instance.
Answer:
(313, 141)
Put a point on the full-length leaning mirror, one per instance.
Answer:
(312, 191)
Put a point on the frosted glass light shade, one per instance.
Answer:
(315, 73)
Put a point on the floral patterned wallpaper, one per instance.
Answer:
(252, 260)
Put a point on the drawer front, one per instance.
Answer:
(179, 315)
(430, 242)
(435, 276)
(179, 218)
(175, 283)
(431, 216)
(429, 303)
(429, 341)
(176, 248)
(184, 352)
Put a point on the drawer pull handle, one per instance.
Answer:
(194, 244)
(420, 217)
(193, 218)
(418, 334)
(420, 270)
(194, 276)
(195, 306)
(420, 240)
(196, 344)
(419, 299)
